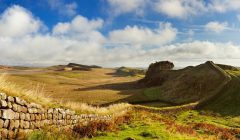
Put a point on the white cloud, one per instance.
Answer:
(192, 53)
(180, 8)
(182, 54)
(224, 5)
(79, 24)
(126, 6)
(216, 26)
(17, 21)
(66, 9)
(78, 40)
(184, 9)
(81, 41)
(80, 28)
(141, 36)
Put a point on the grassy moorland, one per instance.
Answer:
(37, 94)
(216, 117)
(97, 86)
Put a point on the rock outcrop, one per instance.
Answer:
(157, 73)
(159, 66)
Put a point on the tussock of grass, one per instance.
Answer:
(33, 94)
(115, 109)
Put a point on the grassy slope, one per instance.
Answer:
(186, 125)
(187, 85)
(227, 102)
(96, 87)
(35, 94)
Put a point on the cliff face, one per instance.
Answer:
(158, 67)
(157, 73)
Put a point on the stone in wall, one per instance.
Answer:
(18, 117)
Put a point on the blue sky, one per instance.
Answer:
(118, 32)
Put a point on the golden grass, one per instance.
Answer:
(96, 87)
(36, 94)
(115, 109)
(33, 94)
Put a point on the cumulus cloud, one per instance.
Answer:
(80, 28)
(224, 5)
(182, 54)
(193, 53)
(126, 6)
(17, 21)
(79, 24)
(201, 50)
(183, 9)
(216, 26)
(141, 36)
(81, 41)
(180, 8)
(77, 40)
(66, 9)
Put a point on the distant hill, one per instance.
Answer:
(127, 71)
(73, 67)
(82, 66)
(4, 67)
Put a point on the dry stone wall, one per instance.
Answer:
(18, 117)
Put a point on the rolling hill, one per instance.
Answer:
(200, 102)
(215, 87)
(227, 99)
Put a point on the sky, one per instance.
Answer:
(114, 33)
